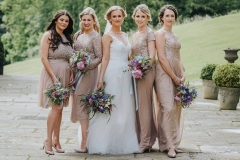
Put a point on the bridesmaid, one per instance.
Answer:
(143, 44)
(169, 75)
(56, 49)
(87, 38)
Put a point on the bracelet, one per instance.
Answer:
(175, 79)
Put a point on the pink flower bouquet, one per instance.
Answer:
(57, 94)
(139, 66)
(185, 95)
(98, 101)
(79, 60)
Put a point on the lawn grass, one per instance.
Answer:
(202, 42)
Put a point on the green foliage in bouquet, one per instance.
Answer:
(227, 75)
(207, 71)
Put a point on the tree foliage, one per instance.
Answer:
(24, 21)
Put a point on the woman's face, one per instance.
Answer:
(87, 22)
(141, 18)
(62, 22)
(116, 18)
(168, 17)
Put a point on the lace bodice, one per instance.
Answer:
(92, 43)
(62, 52)
(172, 46)
(119, 50)
(140, 43)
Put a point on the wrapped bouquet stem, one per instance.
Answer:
(79, 62)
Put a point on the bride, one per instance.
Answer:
(118, 136)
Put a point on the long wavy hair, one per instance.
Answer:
(56, 39)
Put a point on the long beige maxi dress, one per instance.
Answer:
(169, 117)
(146, 129)
(58, 60)
(92, 43)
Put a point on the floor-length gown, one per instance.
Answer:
(58, 60)
(169, 117)
(92, 43)
(145, 117)
(118, 136)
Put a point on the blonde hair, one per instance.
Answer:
(90, 11)
(144, 9)
(114, 8)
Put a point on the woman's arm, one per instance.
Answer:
(106, 41)
(182, 71)
(97, 49)
(151, 46)
(44, 46)
(160, 45)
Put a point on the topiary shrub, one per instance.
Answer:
(207, 71)
(227, 75)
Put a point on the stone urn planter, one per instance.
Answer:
(210, 90)
(229, 98)
(231, 54)
(227, 78)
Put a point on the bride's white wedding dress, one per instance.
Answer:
(118, 136)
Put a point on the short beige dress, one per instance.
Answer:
(92, 43)
(59, 62)
(146, 129)
(169, 117)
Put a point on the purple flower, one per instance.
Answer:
(80, 65)
(134, 63)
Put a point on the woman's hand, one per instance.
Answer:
(182, 80)
(55, 80)
(100, 85)
(177, 81)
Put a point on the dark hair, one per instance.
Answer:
(162, 10)
(55, 37)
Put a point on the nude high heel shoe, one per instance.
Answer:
(57, 149)
(81, 150)
(46, 151)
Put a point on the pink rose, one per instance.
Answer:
(90, 101)
(177, 98)
(80, 65)
(137, 74)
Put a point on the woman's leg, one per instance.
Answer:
(84, 126)
(56, 131)
(51, 122)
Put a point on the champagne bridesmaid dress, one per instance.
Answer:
(169, 117)
(146, 129)
(58, 60)
(92, 43)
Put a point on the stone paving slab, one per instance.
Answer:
(208, 133)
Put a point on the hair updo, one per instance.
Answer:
(114, 8)
(163, 9)
(144, 9)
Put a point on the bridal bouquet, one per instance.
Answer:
(139, 66)
(99, 101)
(57, 94)
(79, 60)
(185, 94)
